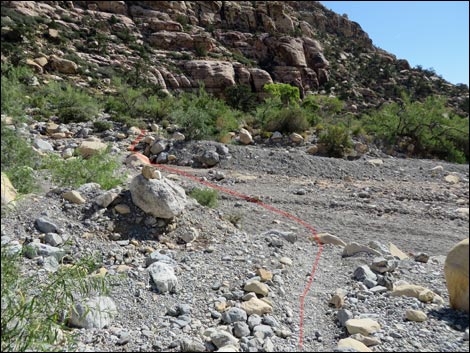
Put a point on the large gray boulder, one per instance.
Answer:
(159, 197)
(97, 312)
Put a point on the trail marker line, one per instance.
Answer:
(253, 200)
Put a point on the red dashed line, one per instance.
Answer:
(253, 200)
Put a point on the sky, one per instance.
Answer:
(433, 34)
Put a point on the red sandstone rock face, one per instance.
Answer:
(300, 43)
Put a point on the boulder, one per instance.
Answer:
(90, 148)
(8, 191)
(163, 276)
(97, 313)
(159, 197)
(245, 137)
(456, 273)
(214, 74)
(63, 66)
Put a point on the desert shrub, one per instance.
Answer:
(205, 197)
(14, 89)
(428, 126)
(102, 125)
(289, 95)
(69, 103)
(241, 97)
(323, 106)
(18, 160)
(101, 168)
(33, 304)
(203, 116)
(138, 103)
(336, 140)
(289, 119)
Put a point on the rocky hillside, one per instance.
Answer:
(178, 44)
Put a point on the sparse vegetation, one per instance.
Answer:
(425, 129)
(18, 160)
(33, 306)
(101, 168)
(205, 197)
(203, 116)
(336, 140)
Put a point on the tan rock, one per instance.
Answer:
(123, 268)
(117, 7)
(354, 344)
(150, 172)
(411, 290)
(52, 128)
(53, 33)
(171, 26)
(227, 138)
(215, 74)
(122, 208)
(367, 340)
(260, 78)
(354, 248)
(327, 238)
(245, 137)
(63, 66)
(37, 68)
(264, 274)
(452, 179)
(416, 315)
(312, 149)
(456, 273)
(74, 196)
(257, 287)
(285, 261)
(296, 138)
(8, 191)
(220, 306)
(41, 61)
(90, 148)
(363, 326)
(376, 162)
(463, 211)
(256, 306)
(397, 252)
(338, 298)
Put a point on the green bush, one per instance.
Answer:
(101, 168)
(33, 304)
(290, 119)
(428, 126)
(18, 160)
(69, 103)
(289, 95)
(14, 90)
(203, 116)
(241, 97)
(138, 103)
(205, 197)
(102, 125)
(273, 116)
(336, 140)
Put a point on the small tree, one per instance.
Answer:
(289, 95)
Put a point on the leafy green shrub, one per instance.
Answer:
(289, 95)
(14, 89)
(241, 97)
(203, 116)
(33, 305)
(18, 160)
(138, 103)
(428, 126)
(69, 103)
(336, 140)
(102, 125)
(101, 168)
(205, 197)
(200, 51)
(290, 119)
